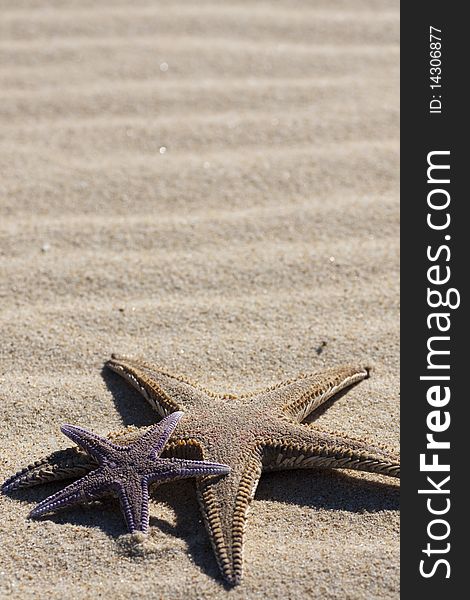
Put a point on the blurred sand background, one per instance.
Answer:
(213, 186)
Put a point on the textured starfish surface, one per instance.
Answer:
(250, 433)
(127, 471)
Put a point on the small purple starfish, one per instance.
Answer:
(127, 471)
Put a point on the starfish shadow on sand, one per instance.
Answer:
(329, 490)
(128, 401)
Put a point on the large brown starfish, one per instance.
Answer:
(251, 433)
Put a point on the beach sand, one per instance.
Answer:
(214, 187)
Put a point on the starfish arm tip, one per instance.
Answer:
(212, 469)
(8, 485)
(66, 428)
(41, 509)
(159, 435)
(200, 468)
(34, 514)
(73, 432)
(176, 415)
(218, 469)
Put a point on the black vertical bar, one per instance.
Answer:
(422, 132)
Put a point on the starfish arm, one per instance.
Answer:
(166, 393)
(63, 464)
(225, 503)
(301, 396)
(303, 446)
(155, 439)
(96, 446)
(90, 487)
(134, 500)
(176, 468)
